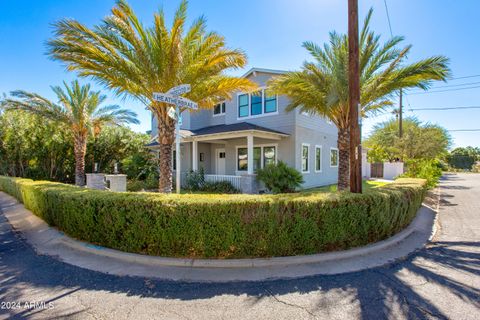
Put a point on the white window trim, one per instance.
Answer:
(321, 161)
(330, 157)
(261, 155)
(308, 158)
(263, 114)
(221, 113)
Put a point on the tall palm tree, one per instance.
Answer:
(134, 60)
(78, 111)
(321, 87)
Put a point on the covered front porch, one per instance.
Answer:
(230, 153)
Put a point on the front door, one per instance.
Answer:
(220, 161)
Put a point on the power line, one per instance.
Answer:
(388, 17)
(445, 108)
(446, 90)
(457, 85)
(465, 77)
(464, 130)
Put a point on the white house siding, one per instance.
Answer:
(312, 130)
(328, 174)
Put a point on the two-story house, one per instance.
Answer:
(236, 137)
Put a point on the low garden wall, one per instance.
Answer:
(222, 226)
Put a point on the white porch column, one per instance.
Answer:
(250, 154)
(194, 155)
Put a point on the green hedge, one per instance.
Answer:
(224, 226)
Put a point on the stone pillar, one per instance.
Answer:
(194, 155)
(118, 182)
(96, 181)
(250, 154)
(249, 184)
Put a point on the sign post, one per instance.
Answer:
(172, 96)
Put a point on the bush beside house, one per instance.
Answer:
(222, 226)
(280, 178)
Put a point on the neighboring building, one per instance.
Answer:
(238, 136)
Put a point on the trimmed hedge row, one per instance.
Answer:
(222, 226)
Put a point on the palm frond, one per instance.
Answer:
(321, 86)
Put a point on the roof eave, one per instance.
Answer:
(273, 71)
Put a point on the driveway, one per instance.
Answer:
(441, 281)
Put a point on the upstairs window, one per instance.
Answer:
(243, 105)
(257, 103)
(270, 102)
(219, 109)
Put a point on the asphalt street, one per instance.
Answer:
(441, 281)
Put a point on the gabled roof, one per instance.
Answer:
(249, 72)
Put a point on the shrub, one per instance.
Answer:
(224, 226)
(459, 161)
(195, 180)
(219, 187)
(280, 178)
(430, 170)
(135, 185)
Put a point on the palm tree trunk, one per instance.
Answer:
(166, 136)
(343, 142)
(80, 149)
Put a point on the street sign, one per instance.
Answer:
(171, 113)
(172, 96)
(164, 97)
(179, 90)
(186, 103)
(180, 101)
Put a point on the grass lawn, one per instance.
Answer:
(366, 184)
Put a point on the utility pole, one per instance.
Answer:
(354, 99)
(400, 115)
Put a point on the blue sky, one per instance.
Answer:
(271, 33)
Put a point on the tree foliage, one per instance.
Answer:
(77, 111)
(321, 86)
(419, 141)
(463, 157)
(33, 147)
(135, 60)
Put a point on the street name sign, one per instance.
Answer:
(186, 103)
(172, 113)
(179, 90)
(178, 101)
(173, 96)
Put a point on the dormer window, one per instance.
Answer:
(219, 109)
(257, 103)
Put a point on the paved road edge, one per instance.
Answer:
(49, 241)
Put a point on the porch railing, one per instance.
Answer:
(234, 180)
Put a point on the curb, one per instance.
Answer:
(49, 241)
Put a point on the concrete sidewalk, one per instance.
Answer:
(49, 241)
